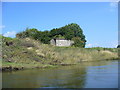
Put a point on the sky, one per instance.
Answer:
(98, 20)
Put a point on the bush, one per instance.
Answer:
(78, 42)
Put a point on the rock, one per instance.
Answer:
(9, 68)
(4, 56)
(9, 60)
(9, 43)
(30, 48)
(27, 39)
(41, 54)
(37, 51)
(15, 68)
(24, 51)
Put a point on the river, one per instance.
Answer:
(102, 74)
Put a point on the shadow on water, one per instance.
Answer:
(83, 75)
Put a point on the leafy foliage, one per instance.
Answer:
(70, 32)
(78, 42)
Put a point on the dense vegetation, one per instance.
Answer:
(70, 32)
(29, 53)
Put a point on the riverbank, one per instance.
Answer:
(15, 67)
(19, 54)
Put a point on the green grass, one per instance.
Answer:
(25, 66)
(29, 53)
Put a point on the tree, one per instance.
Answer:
(70, 32)
(78, 42)
(59, 37)
(27, 33)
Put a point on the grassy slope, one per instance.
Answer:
(29, 53)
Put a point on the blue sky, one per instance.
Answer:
(99, 20)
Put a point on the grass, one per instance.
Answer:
(76, 55)
(29, 53)
(25, 65)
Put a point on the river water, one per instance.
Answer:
(103, 74)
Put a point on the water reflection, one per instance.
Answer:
(93, 74)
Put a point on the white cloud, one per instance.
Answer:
(113, 6)
(92, 45)
(114, 43)
(10, 34)
(88, 45)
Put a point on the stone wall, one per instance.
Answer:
(52, 42)
(61, 42)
